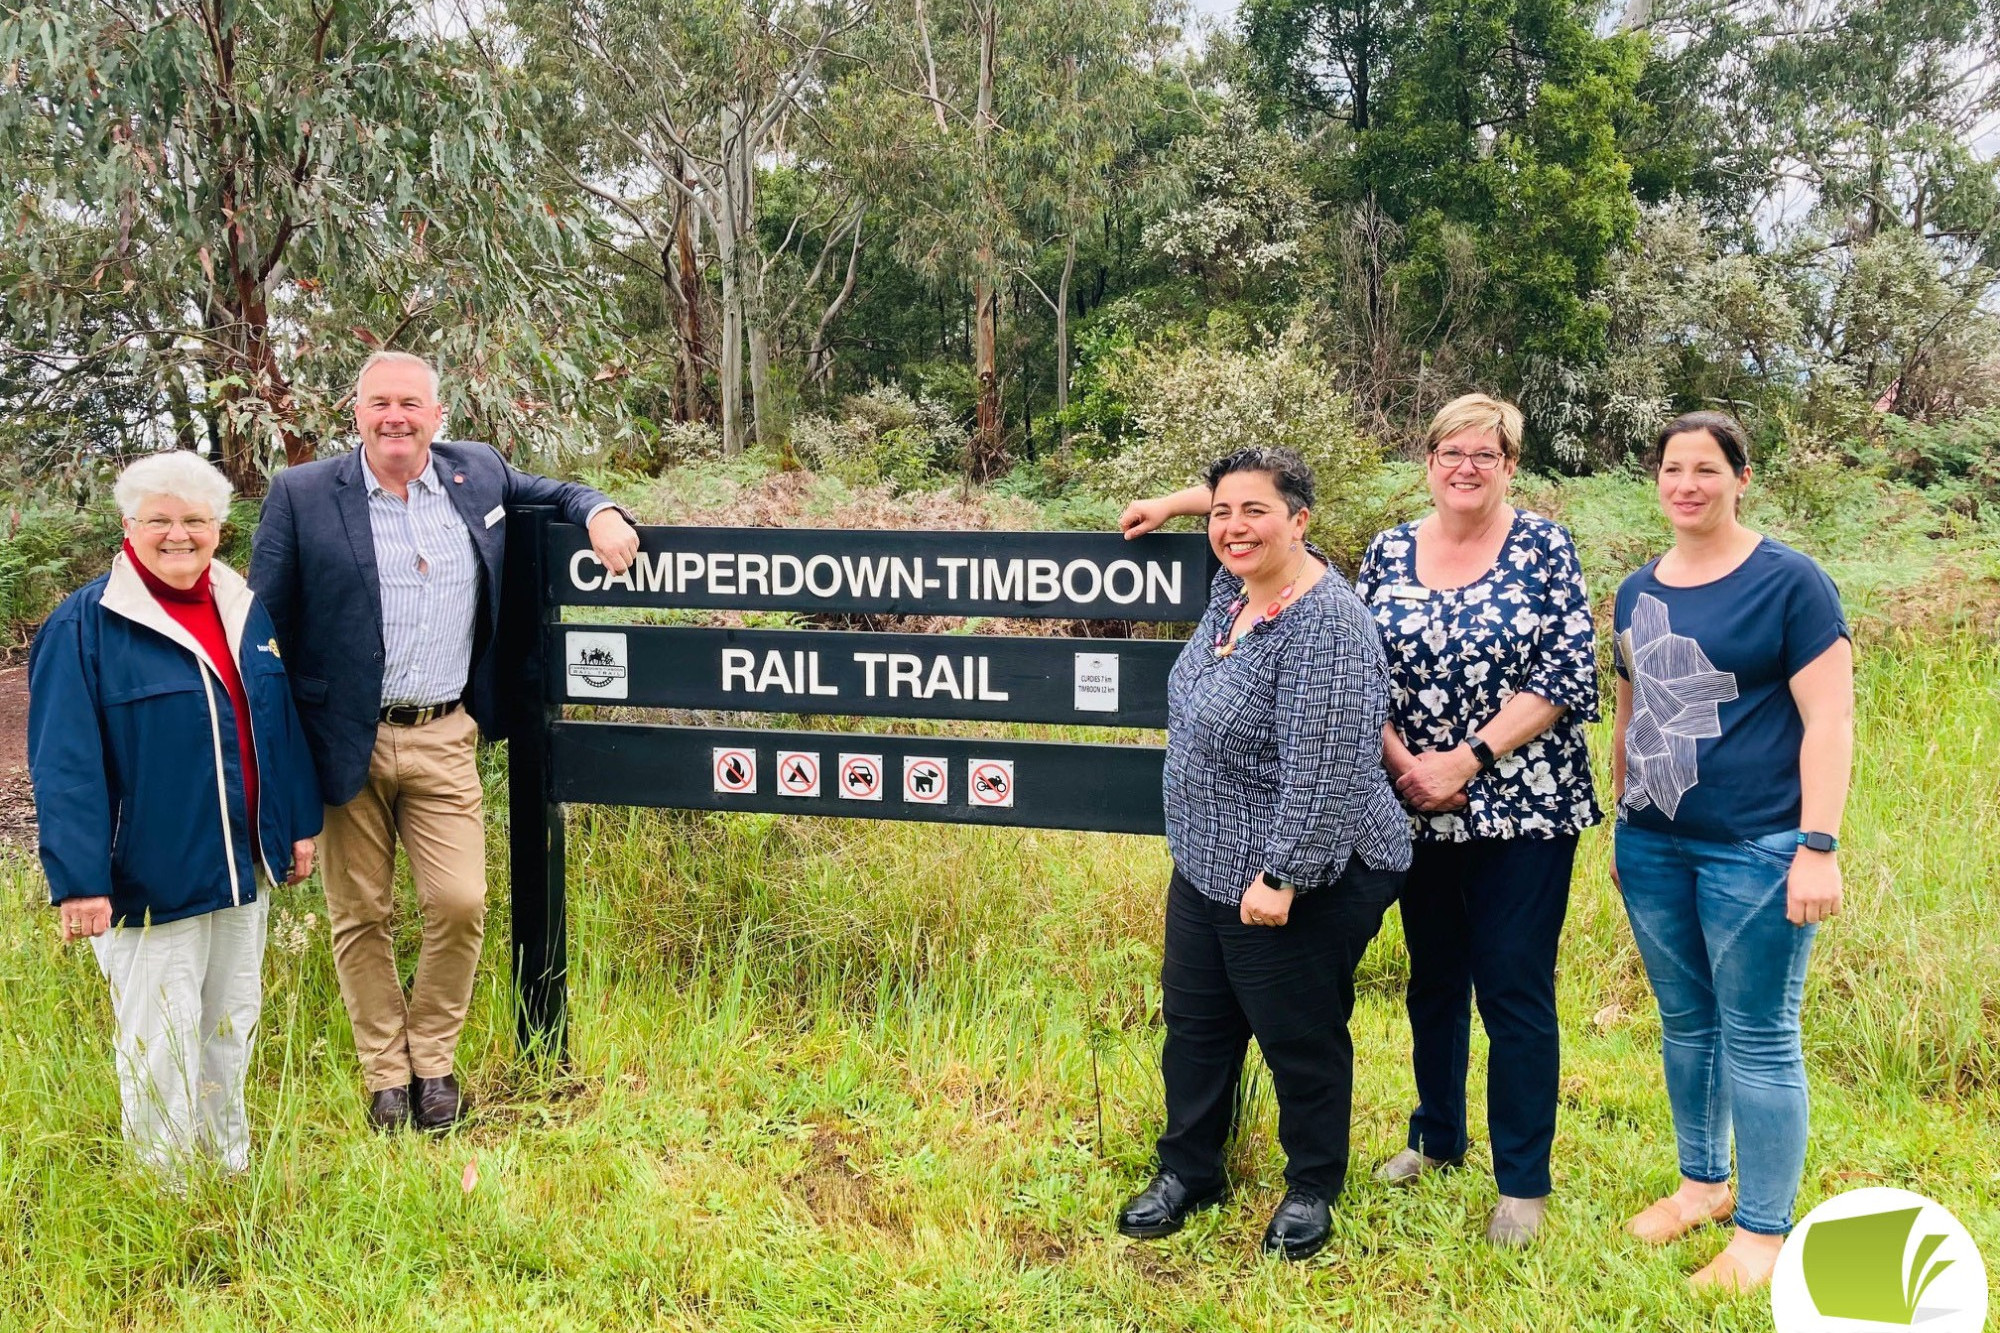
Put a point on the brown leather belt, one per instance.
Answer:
(415, 715)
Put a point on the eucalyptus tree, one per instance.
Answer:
(692, 100)
(230, 200)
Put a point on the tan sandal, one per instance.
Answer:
(1726, 1275)
(1662, 1224)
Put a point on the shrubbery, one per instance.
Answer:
(1193, 403)
(884, 435)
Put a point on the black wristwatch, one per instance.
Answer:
(1481, 751)
(1276, 881)
(1818, 842)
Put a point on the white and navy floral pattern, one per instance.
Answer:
(1457, 654)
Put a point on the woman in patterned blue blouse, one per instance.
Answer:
(1492, 656)
(1288, 846)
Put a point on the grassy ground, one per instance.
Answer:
(835, 1075)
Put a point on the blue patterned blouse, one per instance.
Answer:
(1457, 654)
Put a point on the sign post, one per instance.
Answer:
(804, 673)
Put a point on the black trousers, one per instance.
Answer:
(1291, 987)
(1485, 916)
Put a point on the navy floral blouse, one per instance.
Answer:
(1457, 654)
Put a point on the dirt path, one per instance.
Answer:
(17, 802)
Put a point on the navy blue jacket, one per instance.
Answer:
(132, 748)
(312, 564)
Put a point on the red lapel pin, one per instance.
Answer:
(458, 478)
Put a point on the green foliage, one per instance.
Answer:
(44, 556)
(884, 435)
(1191, 404)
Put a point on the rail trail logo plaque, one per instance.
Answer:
(1879, 1258)
(924, 780)
(735, 770)
(597, 664)
(861, 777)
(798, 773)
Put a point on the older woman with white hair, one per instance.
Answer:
(171, 780)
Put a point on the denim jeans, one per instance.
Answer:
(1728, 971)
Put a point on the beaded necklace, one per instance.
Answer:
(1224, 645)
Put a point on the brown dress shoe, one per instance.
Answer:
(438, 1103)
(389, 1110)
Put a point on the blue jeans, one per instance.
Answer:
(1729, 972)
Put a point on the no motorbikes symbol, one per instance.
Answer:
(735, 770)
(861, 777)
(991, 783)
(924, 780)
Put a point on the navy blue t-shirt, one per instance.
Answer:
(1712, 744)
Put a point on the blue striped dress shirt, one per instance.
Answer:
(429, 575)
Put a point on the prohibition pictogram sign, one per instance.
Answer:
(924, 780)
(735, 770)
(861, 777)
(798, 773)
(990, 783)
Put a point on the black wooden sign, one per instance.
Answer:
(1105, 682)
(1043, 784)
(941, 780)
(1067, 575)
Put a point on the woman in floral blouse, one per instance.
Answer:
(1493, 668)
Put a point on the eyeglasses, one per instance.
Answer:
(1451, 459)
(194, 527)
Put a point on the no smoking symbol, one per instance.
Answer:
(991, 783)
(735, 771)
(861, 777)
(923, 780)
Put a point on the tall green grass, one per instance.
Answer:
(844, 1075)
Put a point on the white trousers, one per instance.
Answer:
(186, 996)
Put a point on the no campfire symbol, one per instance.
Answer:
(923, 780)
(735, 770)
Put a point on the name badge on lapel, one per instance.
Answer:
(497, 513)
(1409, 592)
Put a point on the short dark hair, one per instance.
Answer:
(1287, 471)
(1725, 430)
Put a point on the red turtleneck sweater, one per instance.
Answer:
(194, 610)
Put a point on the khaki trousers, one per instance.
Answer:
(423, 787)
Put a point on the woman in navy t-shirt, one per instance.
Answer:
(1732, 752)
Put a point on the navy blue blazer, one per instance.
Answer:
(312, 566)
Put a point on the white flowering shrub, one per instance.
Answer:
(1194, 404)
(883, 435)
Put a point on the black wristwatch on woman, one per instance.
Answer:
(1481, 751)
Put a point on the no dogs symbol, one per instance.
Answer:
(861, 777)
(991, 783)
(923, 780)
(735, 771)
(798, 773)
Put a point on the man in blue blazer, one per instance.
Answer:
(381, 570)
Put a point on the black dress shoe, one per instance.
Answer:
(439, 1104)
(1300, 1226)
(1163, 1207)
(389, 1110)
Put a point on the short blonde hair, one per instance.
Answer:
(1475, 411)
(179, 473)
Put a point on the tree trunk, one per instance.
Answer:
(987, 456)
(729, 369)
(688, 404)
(1062, 340)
